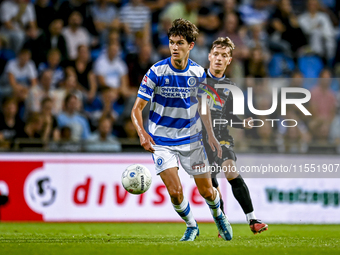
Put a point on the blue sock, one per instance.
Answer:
(185, 212)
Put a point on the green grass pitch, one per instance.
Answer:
(162, 238)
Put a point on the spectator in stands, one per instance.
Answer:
(161, 40)
(75, 35)
(102, 107)
(318, 27)
(32, 131)
(37, 93)
(82, 66)
(255, 13)
(293, 139)
(231, 29)
(138, 65)
(265, 134)
(53, 39)
(5, 54)
(72, 118)
(81, 6)
(10, 123)
(53, 64)
(322, 107)
(323, 101)
(32, 42)
(210, 19)
(15, 15)
(69, 86)
(136, 17)
(256, 66)
(102, 139)
(22, 74)
(230, 7)
(45, 13)
(200, 52)
(65, 134)
(50, 129)
(187, 9)
(129, 130)
(284, 28)
(105, 17)
(296, 81)
(112, 71)
(257, 38)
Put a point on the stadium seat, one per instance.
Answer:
(310, 66)
(280, 65)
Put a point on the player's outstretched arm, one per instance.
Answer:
(206, 119)
(137, 120)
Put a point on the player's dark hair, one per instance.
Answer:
(223, 42)
(182, 27)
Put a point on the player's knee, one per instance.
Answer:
(176, 193)
(208, 193)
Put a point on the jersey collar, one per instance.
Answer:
(178, 70)
(214, 77)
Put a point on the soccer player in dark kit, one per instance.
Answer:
(220, 57)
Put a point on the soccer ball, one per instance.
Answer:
(136, 179)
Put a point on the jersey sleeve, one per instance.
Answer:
(202, 81)
(147, 85)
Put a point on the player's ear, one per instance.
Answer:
(191, 45)
(230, 59)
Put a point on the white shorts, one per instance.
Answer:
(192, 157)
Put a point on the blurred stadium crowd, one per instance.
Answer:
(70, 70)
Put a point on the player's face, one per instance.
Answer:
(179, 47)
(219, 58)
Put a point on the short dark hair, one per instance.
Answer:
(182, 27)
(24, 51)
(68, 98)
(53, 51)
(223, 42)
(8, 100)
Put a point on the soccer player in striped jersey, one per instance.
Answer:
(175, 127)
(220, 57)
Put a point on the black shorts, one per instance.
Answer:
(227, 153)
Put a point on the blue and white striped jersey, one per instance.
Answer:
(173, 119)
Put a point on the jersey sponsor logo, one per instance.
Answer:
(226, 92)
(167, 81)
(198, 166)
(180, 92)
(192, 81)
(145, 79)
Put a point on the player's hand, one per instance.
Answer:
(146, 141)
(248, 123)
(215, 144)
